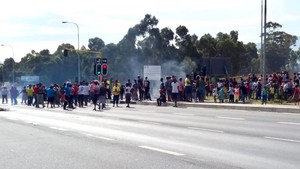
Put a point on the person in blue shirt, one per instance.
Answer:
(50, 96)
(67, 95)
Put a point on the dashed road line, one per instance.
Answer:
(162, 150)
(57, 128)
(230, 118)
(184, 114)
(99, 137)
(290, 123)
(29, 122)
(150, 122)
(204, 129)
(282, 139)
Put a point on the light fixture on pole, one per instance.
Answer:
(13, 64)
(77, 47)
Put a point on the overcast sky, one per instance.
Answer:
(37, 24)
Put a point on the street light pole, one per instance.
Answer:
(265, 41)
(13, 65)
(77, 47)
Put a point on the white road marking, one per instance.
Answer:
(282, 139)
(162, 150)
(103, 138)
(184, 114)
(291, 114)
(229, 118)
(203, 129)
(29, 122)
(150, 122)
(56, 128)
(290, 123)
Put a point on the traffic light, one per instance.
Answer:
(97, 69)
(104, 69)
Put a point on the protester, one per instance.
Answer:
(127, 94)
(4, 93)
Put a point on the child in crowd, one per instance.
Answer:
(264, 95)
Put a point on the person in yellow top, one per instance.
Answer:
(272, 93)
(116, 93)
(108, 91)
(188, 89)
(29, 92)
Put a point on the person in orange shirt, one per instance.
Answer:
(236, 93)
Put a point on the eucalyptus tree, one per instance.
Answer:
(278, 47)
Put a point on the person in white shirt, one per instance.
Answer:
(81, 94)
(86, 93)
(175, 86)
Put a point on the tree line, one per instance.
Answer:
(146, 44)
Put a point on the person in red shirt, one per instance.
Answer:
(75, 87)
(35, 93)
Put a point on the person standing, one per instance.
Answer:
(29, 92)
(147, 89)
(188, 89)
(80, 94)
(116, 93)
(128, 94)
(168, 88)
(175, 90)
(24, 95)
(231, 93)
(40, 96)
(96, 94)
(141, 88)
(86, 93)
(4, 93)
(75, 96)
(66, 95)
(50, 96)
(264, 95)
(181, 90)
(134, 91)
(14, 94)
(102, 96)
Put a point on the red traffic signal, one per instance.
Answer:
(104, 69)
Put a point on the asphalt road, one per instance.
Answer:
(147, 137)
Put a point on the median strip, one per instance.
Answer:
(283, 139)
(162, 150)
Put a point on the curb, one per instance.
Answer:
(247, 107)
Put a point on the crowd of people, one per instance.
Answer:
(69, 96)
(280, 86)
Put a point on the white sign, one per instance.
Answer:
(153, 72)
(30, 78)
